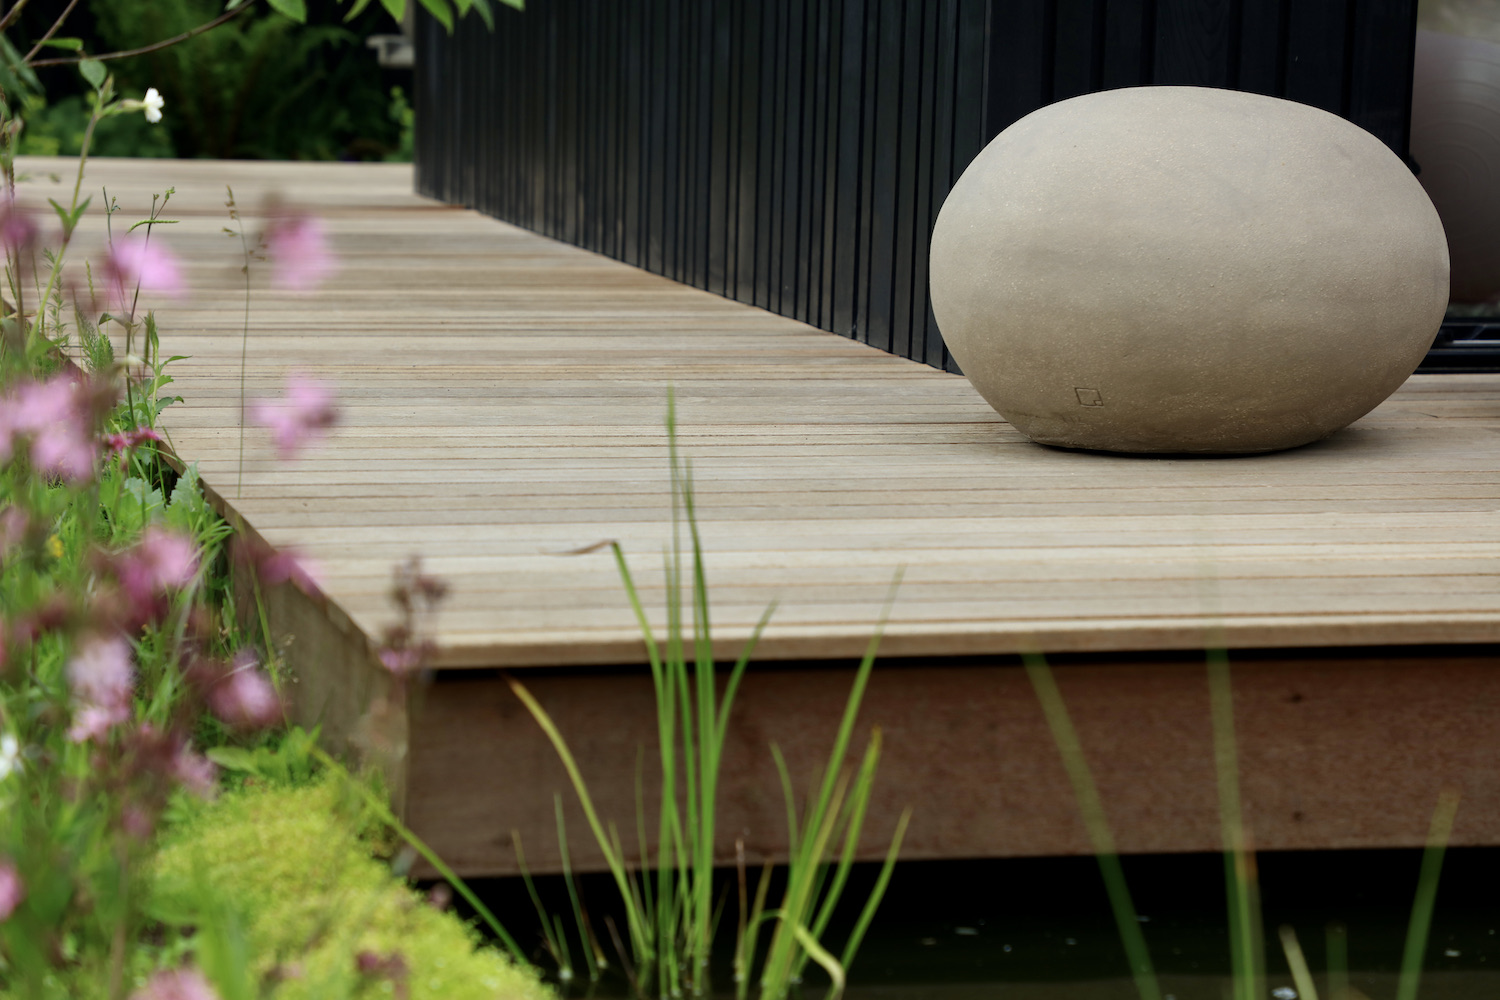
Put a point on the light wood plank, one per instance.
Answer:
(503, 401)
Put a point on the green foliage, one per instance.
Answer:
(670, 909)
(56, 129)
(261, 86)
(1246, 949)
(405, 117)
(276, 874)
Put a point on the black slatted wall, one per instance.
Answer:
(793, 154)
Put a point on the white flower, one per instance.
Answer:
(10, 756)
(153, 104)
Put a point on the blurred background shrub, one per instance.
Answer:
(259, 87)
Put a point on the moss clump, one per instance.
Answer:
(314, 914)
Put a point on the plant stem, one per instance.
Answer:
(389, 818)
(1092, 808)
(1338, 962)
(228, 15)
(57, 261)
(12, 14)
(1246, 954)
(234, 216)
(1297, 963)
(50, 31)
(1427, 885)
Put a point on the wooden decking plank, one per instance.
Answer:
(503, 399)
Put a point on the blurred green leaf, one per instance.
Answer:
(395, 8)
(294, 9)
(15, 76)
(233, 759)
(93, 71)
(71, 44)
(440, 10)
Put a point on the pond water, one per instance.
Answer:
(1040, 929)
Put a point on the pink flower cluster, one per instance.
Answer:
(297, 246)
(12, 889)
(157, 566)
(138, 263)
(242, 694)
(405, 647)
(300, 417)
(274, 566)
(18, 230)
(52, 422)
(127, 440)
(102, 678)
(176, 984)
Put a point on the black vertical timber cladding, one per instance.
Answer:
(794, 154)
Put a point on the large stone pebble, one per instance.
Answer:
(1181, 269)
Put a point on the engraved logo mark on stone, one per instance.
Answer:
(1089, 397)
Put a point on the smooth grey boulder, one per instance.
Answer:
(1181, 269)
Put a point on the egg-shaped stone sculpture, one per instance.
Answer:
(1183, 269)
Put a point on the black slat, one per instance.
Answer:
(845, 172)
(1193, 43)
(795, 153)
(1316, 36)
(1129, 43)
(1073, 48)
(885, 173)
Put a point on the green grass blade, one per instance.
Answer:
(852, 823)
(787, 794)
(536, 901)
(1055, 710)
(565, 956)
(1246, 947)
(378, 806)
(757, 917)
(732, 685)
(1427, 886)
(1338, 962)
(820, 955)
(802, 874)
(851, 947)
(567, 869)
(616, 864)
(1297, 963)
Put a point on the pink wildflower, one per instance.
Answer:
(196, 772)
(289, 564)
(13, 527)
(176, 984)
(137, 263)
(160, 561)
(299, 417)
(126, 440)
(403, 660)
(298, 248)
(136, 822)
(12, 889)
(54, 416)
(102, 677)
(245, 697)
(275, 566)
(18, 230)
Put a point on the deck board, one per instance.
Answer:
(503, 398)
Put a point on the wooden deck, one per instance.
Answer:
(503, 399)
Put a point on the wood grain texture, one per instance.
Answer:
(1345, 749)
(503, 401)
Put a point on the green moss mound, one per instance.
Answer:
(313, 914)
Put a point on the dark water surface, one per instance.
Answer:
(1040, 929)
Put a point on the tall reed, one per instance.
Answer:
(669, 905)
(1242, 886)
